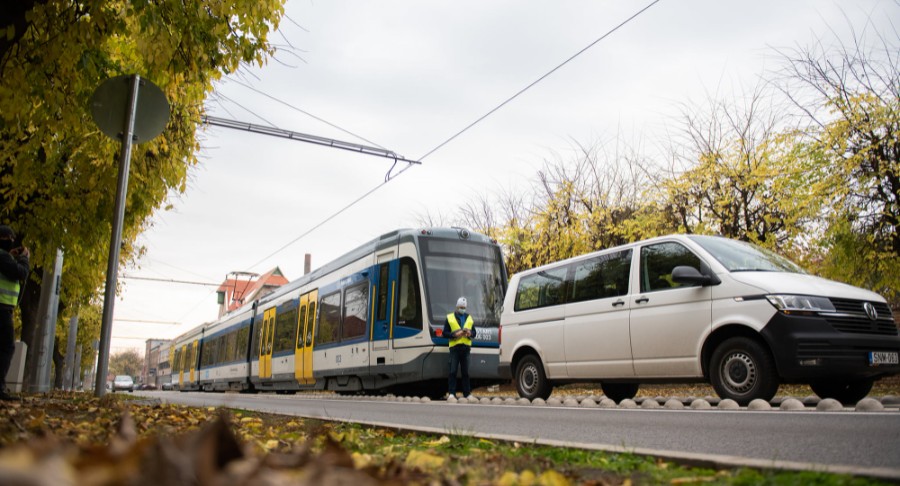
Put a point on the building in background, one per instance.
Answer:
(152, 359)
(242, 287)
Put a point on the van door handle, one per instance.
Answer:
(618, 303)
(642, 300)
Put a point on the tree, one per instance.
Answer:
(741, 177)
(89, 320)
(56, 169)
(128, 362)
(850, 94)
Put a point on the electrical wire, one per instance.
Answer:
(389, 178)
(314, 117)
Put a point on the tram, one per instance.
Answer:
(370, 321)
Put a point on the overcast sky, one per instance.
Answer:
(407, 76)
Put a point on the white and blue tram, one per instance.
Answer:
(369, 322)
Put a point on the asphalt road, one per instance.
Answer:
(847, 442)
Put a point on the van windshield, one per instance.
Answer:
(472, 270)
(739, 256)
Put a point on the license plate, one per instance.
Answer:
(882, 357)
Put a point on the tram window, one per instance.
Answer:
(383, 288)
(207, 352)
(329, 319)
(256, 334)
(231, 346)
(356, 303)
(213, 355)
(312, 320)
(301, 324)
(242, 336)
(176, 362)
(285, 330)
(408, 301)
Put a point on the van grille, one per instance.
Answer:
(850, 316)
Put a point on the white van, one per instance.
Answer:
(689, 308)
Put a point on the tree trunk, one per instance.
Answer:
(59, 365)
(31, 297)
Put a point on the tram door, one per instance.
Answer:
(384, 292)
(182, 358)
(267, 334)
(303, 362)
(193, 359)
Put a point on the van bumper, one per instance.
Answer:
(807, 348)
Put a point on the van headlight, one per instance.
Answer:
(800, 304)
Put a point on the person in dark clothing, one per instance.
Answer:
(13, 268)
(460, 329)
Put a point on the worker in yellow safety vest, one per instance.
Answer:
(13, 268)
(461, 330)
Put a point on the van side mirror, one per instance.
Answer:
(689, 275)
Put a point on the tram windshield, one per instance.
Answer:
(456, 269)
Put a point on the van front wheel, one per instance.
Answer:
(743, 370)
(531, 382)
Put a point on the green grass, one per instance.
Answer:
(490, 461)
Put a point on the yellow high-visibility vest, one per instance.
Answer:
(9, 290)
(454, 326)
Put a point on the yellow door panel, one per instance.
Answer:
(300, 345)
(269, 322)
(193, 359)
(310, 339)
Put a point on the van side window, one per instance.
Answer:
(658, 261)
(601, 277)
(541, 289)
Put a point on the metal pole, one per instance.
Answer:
(76, 370)
(112, 268)
(48, 307)
(68, 381)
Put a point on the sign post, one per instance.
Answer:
(132, 110)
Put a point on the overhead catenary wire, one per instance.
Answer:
(314, 117)
(304, 137)
(468, 127)
(170, 280)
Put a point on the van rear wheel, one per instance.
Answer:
(531, 382)
(743, 370)
(619, 391)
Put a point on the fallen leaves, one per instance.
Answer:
(49, 449)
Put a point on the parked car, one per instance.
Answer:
(148, 386)
(123, 382)
(695, 308)
(168, 386)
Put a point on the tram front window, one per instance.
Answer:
(456, 268)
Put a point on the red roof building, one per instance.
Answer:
(242, 287)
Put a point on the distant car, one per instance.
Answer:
(123, 382)
(168, 386)
(148, 386)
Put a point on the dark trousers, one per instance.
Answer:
(7, 343)
(459, 361)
